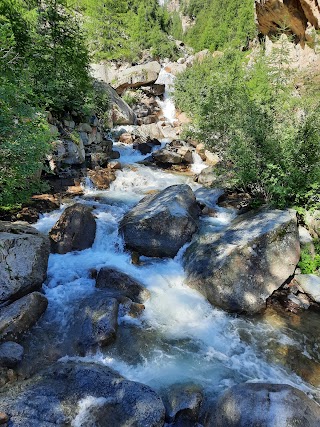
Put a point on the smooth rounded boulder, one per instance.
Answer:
(160, 224)
(81, 394)
(24, 254)
(267, 405)
(74, 231)
(242, 266)
(120, 284)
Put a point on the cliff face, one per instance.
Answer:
(295, 15)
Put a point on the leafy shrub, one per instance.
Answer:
(309, 263)
(248, 113)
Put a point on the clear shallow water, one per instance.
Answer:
(180, 337)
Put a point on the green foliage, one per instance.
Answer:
(24, 133)
(59, 60)
(122, 29)
(249, 114)
(176, 26)
(220, 24)
(310, 263)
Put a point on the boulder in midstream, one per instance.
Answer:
(241, 267)
(160, 224)
(74, 231)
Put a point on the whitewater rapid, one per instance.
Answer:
(180, 337)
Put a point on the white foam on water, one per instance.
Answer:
(85, 407)
(193, 341)
(198, 164)
(167, 105)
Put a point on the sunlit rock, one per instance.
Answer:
(268, 405)
(161, 224)
(240, 268)
(24, 254)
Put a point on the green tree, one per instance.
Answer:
(59, 59)
(270, 137)
(24, 134)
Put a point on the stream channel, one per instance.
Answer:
(180, 337)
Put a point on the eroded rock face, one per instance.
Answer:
(21, 315)
(82, 394)
(293, 14)
(161, 224)
(74, 231)
(120, 284)
(267, 405)
(240, 268)
(24, 254)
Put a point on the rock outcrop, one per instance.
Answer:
(268, 405)
(24, 254)
(74, 231)
(240, 268)
(129, 77)
(161, 224)
(295, 15)
(81, 394)
(121, 113)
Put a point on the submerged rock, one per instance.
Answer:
(120, 284)
(240, 268)
(24, 254)
(21, 315)
(74, 231)
(162, 223)
(267, 405)
(82, 394)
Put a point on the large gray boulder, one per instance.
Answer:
(82, 394)
(121, 113)
(240, 268)
(265, 405)
(24, 254)
(162, 223)
(21, 315)
(74, 231)
(120, 284)
(137, 76)
(93, 324)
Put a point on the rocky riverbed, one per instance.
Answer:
(156, 305)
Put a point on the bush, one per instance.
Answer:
(270, 137)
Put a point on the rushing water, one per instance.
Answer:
(180, 337)
(167, 105)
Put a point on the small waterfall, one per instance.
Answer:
(167, 105)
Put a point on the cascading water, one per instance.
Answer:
(180, 337)
(167, 105)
